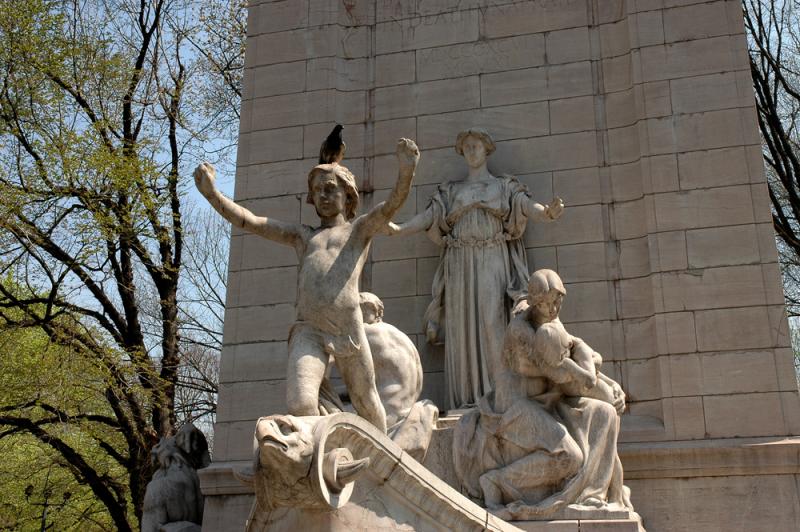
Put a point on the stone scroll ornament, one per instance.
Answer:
(292, 467)
(172, 499)
(305, 478)
(480, 282)
(543, 444)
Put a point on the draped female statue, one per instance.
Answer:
(482, 274)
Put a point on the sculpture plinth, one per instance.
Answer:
(391, 492)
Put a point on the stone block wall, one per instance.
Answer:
(638, 113)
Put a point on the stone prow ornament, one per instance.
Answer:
(305, 476)
(291, 468)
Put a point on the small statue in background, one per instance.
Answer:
(398, 376)
(172, 500)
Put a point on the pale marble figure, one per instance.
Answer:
(398, 371)
(564, 354)
(479, 223)
(332, 256)
(545, 440)
(172, 499)
(398, 377)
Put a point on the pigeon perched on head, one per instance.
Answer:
(333, 147)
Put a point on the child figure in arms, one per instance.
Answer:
(332, 256)
(572, 364)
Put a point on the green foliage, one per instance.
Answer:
(33, 477)
(26, 490)
(103, 107)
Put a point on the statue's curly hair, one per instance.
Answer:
(480, 134)
(368, 298)
(541, 282)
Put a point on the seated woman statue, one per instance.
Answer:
(546, 437)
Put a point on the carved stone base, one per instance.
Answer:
(377, 506)
(391, 491)
(580, 525)
(573, 520)
(732, 485)
(571, 514)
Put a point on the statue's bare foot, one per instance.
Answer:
(509, 511)
(492, 496)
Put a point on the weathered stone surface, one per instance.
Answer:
(427, 32)
(637, 113)
(537, 84)
(481, 57)
(704, 477)
(510, 122)
(519, 458)
(425, 98)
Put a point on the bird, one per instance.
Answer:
(333, 147)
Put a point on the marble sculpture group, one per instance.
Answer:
(538, 433)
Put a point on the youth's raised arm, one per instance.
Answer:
(407, 159)
(281, 232)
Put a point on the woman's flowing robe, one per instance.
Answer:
(482, 274)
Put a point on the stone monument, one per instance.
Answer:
(640, 115)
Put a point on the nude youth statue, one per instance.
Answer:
(332, 256)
